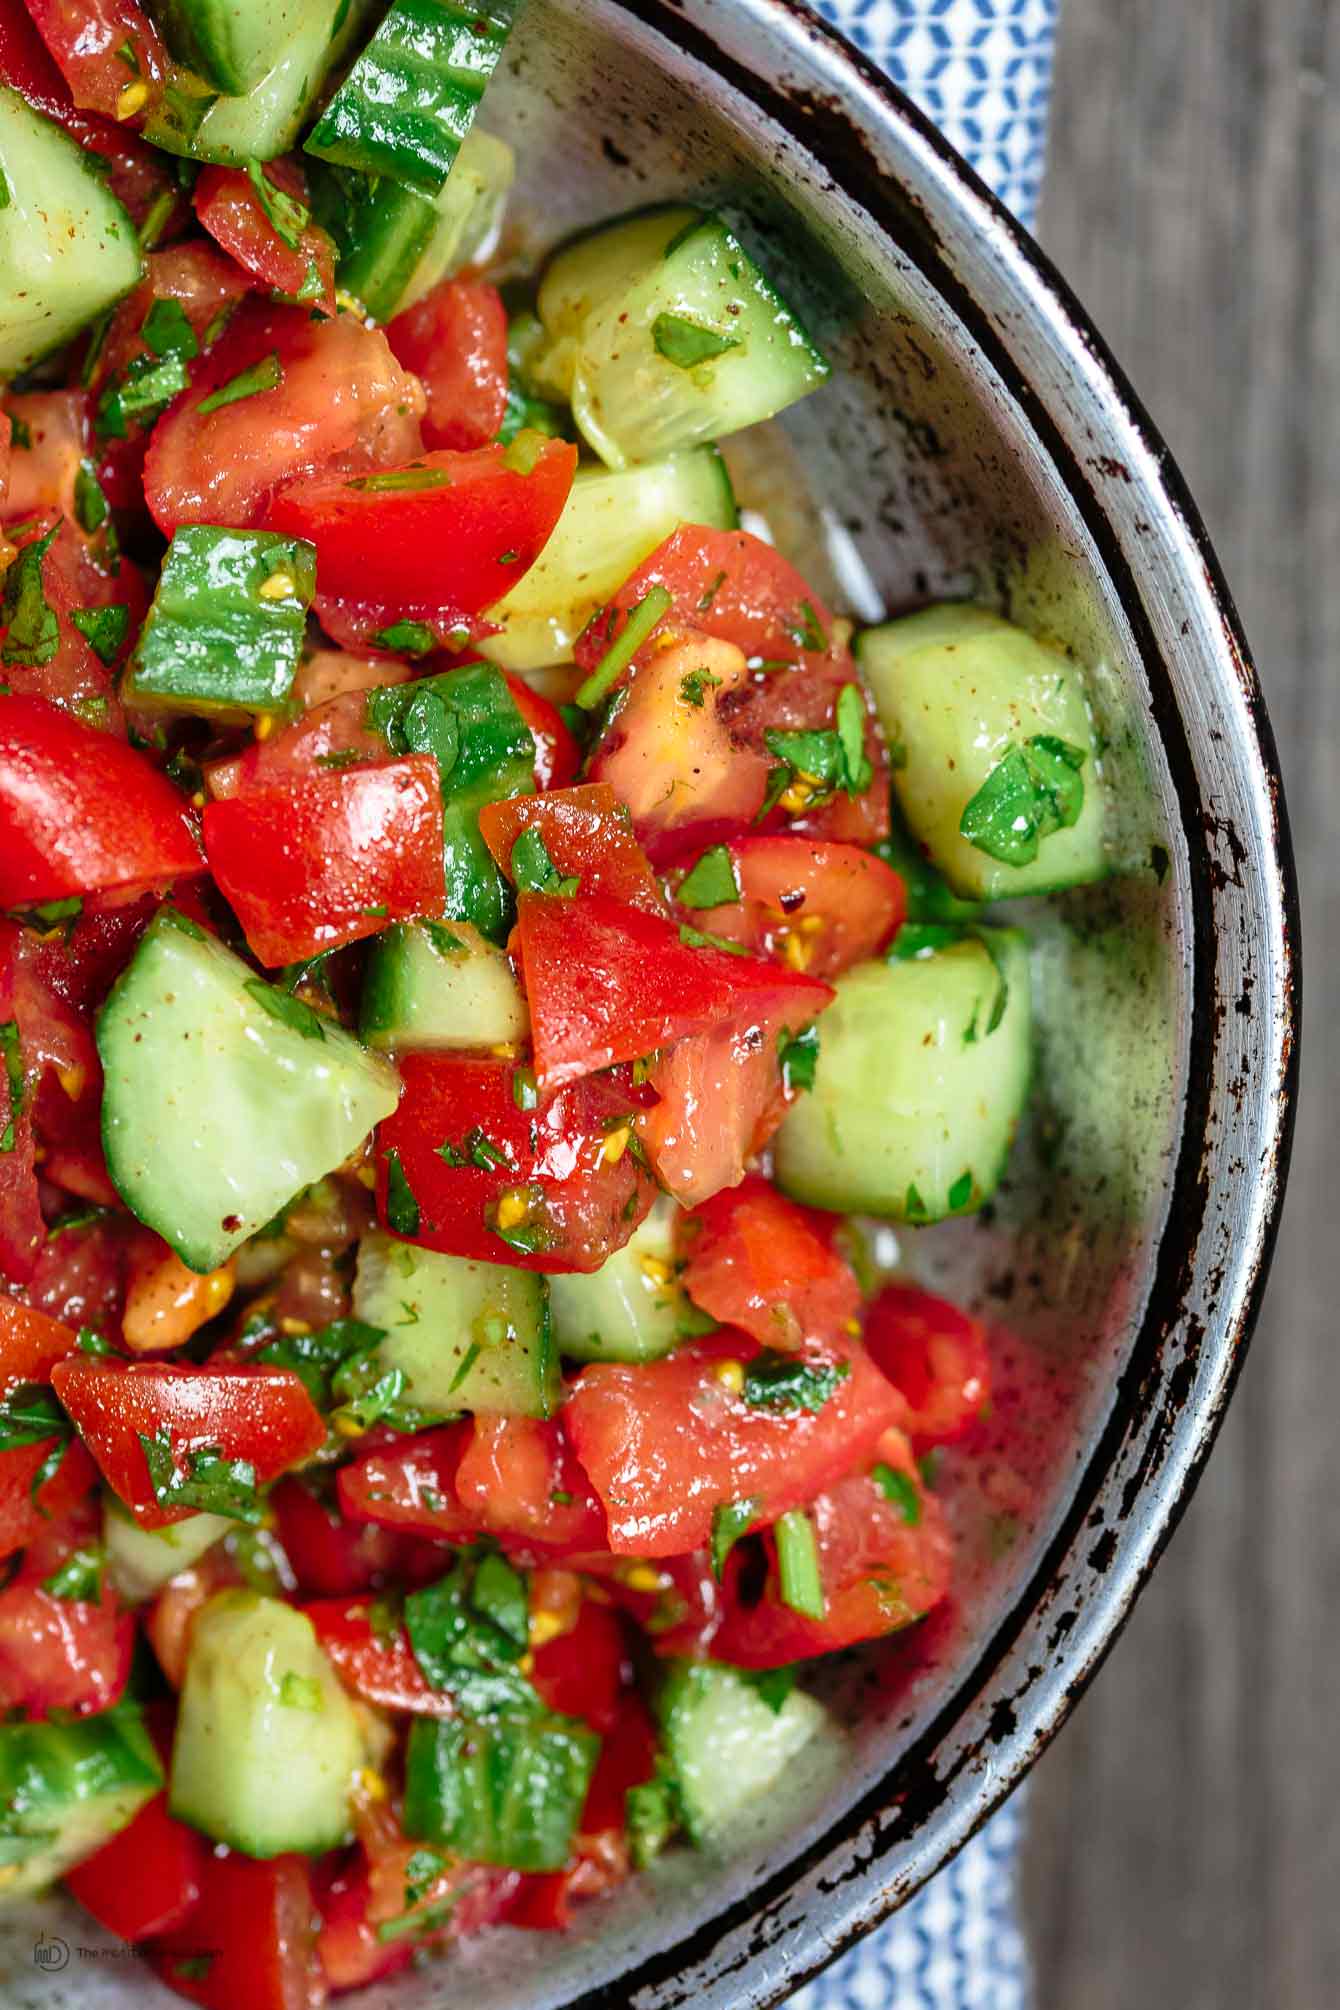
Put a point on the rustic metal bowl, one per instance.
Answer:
(977, 439)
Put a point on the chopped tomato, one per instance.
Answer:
(549, 1188)
(81, 964)
(351, 1951)
(330, 400)
(410, 1484)
(262, 1416)
(440, 538)
(811, 904)
(884, 1557)
(81, 812)
(601, 1861)
(59, 1652)
(455, 341)
(557, 756)
(519, 1480)
(668, 1443)
(338, 726)
(108, 52)
(250, 1940)
(171, 1616)
(330, 860)
(28, 1501)
(197, 278)
(759, 1261)
(580, 1673)
(30, 1344)
(79, 1275)
(936, 1356)
(147, 1878)
(588, 834)
(240, 217)
(329, 1555)
(608, 982)
(50, 439)
(22, 1226)
(372, 1656)
(73, 674)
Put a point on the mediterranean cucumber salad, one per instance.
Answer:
(485, 954)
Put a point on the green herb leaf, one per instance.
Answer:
(34, 630)
(316, 1358)
(406, 638)
(80, 1576)
(402, 1209)
(525, 1089)
(694, 686)
(799, 1054)
(167, 332)
(208, 1481)
(808, 631)
(499, 1593)
(287, 1009)
(1033, 791)
(702, 938)
(534, 871)
(103, 628)
(799, 1580)
(730, 1520)
(712, 881)
(653, 606)
(444, 941)
(398, 481)
(288, 217)
(30, 1415)
(773, 1685)
(774, 1381)
(20, 432)
(11, 1047)
(900, 1490)
(688, 343)
(462, 1648)
(90, 1341)
(91, 508)
(267, 375)
(960, 1193)
(851, 719)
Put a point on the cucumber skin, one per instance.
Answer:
(77, 1784)
(214, 643)
(416, 996)
(616, 1313)
(726, 1746)
(897, 1117)
(187, 27)
(140, 1561)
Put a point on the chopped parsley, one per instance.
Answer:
(104, 630)
(799, 1055)
(730, 1520)
(774, 1381)
(208, 1481)
(900, 1490)
(267, 375)
(712, 882)
(33, 628)
(687, 343)
(534, 870)
(288, 217)
(402, 1209)
(287, 1009)
(1033, 791)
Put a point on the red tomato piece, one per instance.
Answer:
(812, 904)
(557, 755)
(609, 983)
(519, 1480)
(106, 50)
(61, 1653)
(203, 283)
(567, 1191)
(147, 1878)
(375, 1659)
(349, 1948)
(80, 967)
(882, 1563)
(27, 1506)
(341, 405)
(410, 1484)
(51, 431)
(80, 811)
(338, 726)
(30, 1344)
(455, 342)
(22, 1226)
(329, 1555)
(580, 1673)
(231, 209)
(330, 860)
(250, 1939)
(667, 1443)
(936, 1356)
(587, 832)
(465, 1897)
(442, 537)
(74, 676)
(261, 1415)
(759, 1261)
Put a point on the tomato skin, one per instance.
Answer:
(74, 677)
(295, 753)
(42, 475)
(61, 1653)
(343, 406)
(455, 342)
(81, 812)
(25, 1514)
(936, 1356)
(580, 1673)
(380, 1667)
(262, 1415)
(587, 833)
(330, 860)
(761, 1262)
(450, 546)
(256, 1920)
(348, 1946)
(147, 1878)
(231, 210)
(330, 1556)
(557, 755)
(664, 1444)
(812, 904)
(509, 1474)
(608, 983)
(410, 1485)
(30, 1344)
(585, 1204)
(84, 36)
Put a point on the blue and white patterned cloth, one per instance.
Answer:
(982, 70)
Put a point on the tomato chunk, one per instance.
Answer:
(233, 210)
(580, 1673)
(668, 1443)
(812, 904)
(71, 673)
(108, 51)
(588, 834)
(50, 439)
(520, 1480)
(759, 1261)
(410, 1484)
(262, 1416)
(30, 1344)
(936, 1356)
(250, 1939)
(329, 1555)
(455, 342)
(330, 860)
(146, 1879)
(557, 755)
(549, 1188)
(59, 1651)
(372, 1656)
(28, 1502)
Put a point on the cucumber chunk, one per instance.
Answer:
(439, 985)
(65, 1789)
(223, 1097)
(633, 1308)
(507, 1792)
(466, 1335)
(267, 1741)
(923, 1072)
(961, 693)
(224, 635)
(667, 334)
(231, 47)
(141, 1560)
(610, 523)
(67, 247)
(728, 1748)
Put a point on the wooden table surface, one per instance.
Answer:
(1185, 1847)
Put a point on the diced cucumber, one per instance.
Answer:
(439, 985)
(960, 692)
(926, 891)
(409, 100)
(225, 633)
(610, 523)
(633, 1308)
(141, 1560)
(65, 1789)
(507, 1792)
(223, 1097)
(267, 1742)
(666, 334)
(728, 1747)
(923, 1071)
(230, 46)
(267, 120)
(67, 247)
(466, 1335)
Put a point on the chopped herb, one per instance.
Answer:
(103, 628)
(402, 1209)
(525, 1089)
(826, 759)
(300, 1692)
(11, 1046)
(508, 557)
(342, 757)
(779, 781)
(701, 938)
(533, 869)
(397, 481)
(311, 970)
(694, 686)
(209, 1482)
(914, 1206)
(406, 638)
(712, 882)
(20, 432)
(443, 940)
(289, 1011)
(850, 715)
(775, 1381)
(91, 507)
(687, 343)
(377, 913)
(49, 915)
(194, 1967)
(799, 1580)
(960, 1193)
(77, 1217)
(533, 1232)
(317, 1358)
(561, 1498)
(90, 1341)
(34, 630)
(653, 606)
(30, 1415)
(80, 1576)
(288, 217)
(146, 387)
(917, 939)
(267, 375)
(730, 1520)
(468, 1359)
(900, 1490)
(1033, 791)
(167, 332)
(709, 594)
(466, 1638)
(799, 1055)
(367, 1393)
(651, 1813)
(808, 631)
(773, 1685)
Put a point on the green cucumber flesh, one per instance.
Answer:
(439, 986)
(140, 1561)
(220, 1101)
(65, 1789)
(67, 247)
(587, 273)
(633, 1308)
(957, 689)
(225, 633)
(611, 521)
(916, 1098)
(465, 1335)
(728, 1748)
(267, 1742)
(230, 46)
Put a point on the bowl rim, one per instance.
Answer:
(855, 1898)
